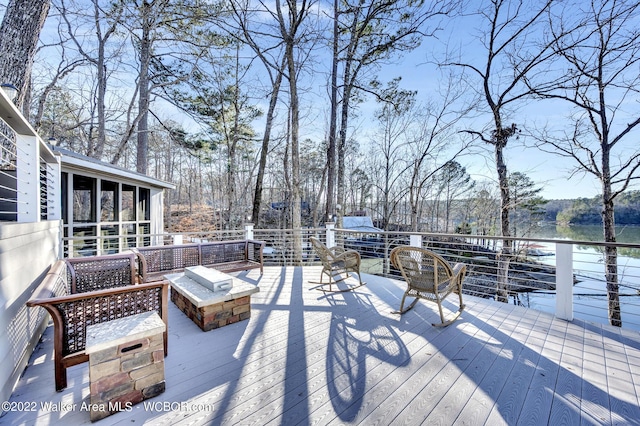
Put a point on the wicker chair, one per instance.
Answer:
(428, 277)
(337, 262)
(232, 256)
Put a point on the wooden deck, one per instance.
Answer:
(309, 358)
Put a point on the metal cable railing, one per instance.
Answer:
(13, 194)
(533, 264)
(9, 204)
(532, 269)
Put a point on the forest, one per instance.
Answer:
(307, 108)
(248, 105)
(587, 211)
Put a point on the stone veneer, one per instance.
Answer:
(126, 363)
(213, 316)
(211, 309)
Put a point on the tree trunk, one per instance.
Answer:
(504, 256)
(331, 148)
(257, 197)
(143, 91)
(20, 30)
(342, 146)
(609, 229)
(296, 219)
(235, 217)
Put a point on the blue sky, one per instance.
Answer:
(550, 171)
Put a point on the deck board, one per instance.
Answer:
(307, 357)
(492, 372)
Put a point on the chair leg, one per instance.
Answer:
(60, 375)
(332, 280)
(401, 311)
(453, 318)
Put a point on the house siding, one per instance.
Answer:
(26, 252)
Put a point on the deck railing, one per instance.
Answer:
(29, 172)
(559, 276)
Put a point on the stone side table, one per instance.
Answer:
(126, 363)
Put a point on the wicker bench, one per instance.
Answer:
(228, 256)
(79, 292)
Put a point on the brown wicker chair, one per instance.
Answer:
(73, 310)
(428, 277)
(337, 262)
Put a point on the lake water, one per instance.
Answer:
(590, 301)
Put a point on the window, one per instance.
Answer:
(84, 241)
(103, 216)
(109, 201)
(129, 231)
(144, 230)
(84, 191)
(109, 245)
(128, 212)
(144, 205)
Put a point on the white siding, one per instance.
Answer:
(26, 252)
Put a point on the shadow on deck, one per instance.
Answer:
(309, 357)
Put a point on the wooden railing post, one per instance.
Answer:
(415, 240)
(564, 281)
(331, 234)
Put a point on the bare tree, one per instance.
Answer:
(512, 52)
(264, 41)
(20, 31)
(395, 117)
(333, 118)
(600, 63)
(371, 33)
(436, 144)
(290, 20)
(99, 60)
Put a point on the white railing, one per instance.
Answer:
(9, 205)
(29, 172)
(558, 276)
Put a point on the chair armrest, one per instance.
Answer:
(72, 313)
(142, 265)
(347, 255)
(54, 283)
(459, 269)
(337, 251)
